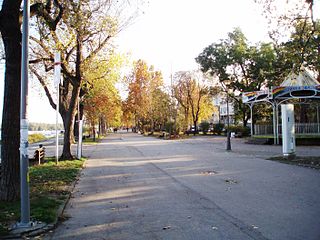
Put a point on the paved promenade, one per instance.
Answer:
(136, 187)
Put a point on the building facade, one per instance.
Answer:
(220, 115)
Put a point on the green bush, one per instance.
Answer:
(240, 131)
(169, 127)
(204, 125)
(218, 128)
(36, 137)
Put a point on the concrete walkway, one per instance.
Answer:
(136, 187)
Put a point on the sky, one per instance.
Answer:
(170, 35)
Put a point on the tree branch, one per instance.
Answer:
(101, 45)
(40, 60)
(44, 11)
(44, 85)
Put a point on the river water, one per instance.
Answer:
(47, 134)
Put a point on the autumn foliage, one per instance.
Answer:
(147, 105)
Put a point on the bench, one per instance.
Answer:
(86, 136)
(39, 154)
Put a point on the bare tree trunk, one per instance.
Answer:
(94, 132)
(69, 116)
(186, 118)
(103, 126)
(68, 122)
(244, 116)
(10, 134)
(99, 125)
(66, 151)
(76, 127)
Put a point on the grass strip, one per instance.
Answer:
(36, 137)
(92, 140)
(49, 188)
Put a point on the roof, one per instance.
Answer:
(302, 79)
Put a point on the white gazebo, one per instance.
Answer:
(295, 86)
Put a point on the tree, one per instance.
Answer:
(303, 47)
(283, 15)
(295, 33)
(79, 41)
(10, 25)
(144, 84)
(102, 102)
(127, 115)
(179, 92)
(160, 109)
(137, 92)
(192, 92)
(10, 134)
(302, 50)
(248, 68)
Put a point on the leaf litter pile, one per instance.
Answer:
(304, 161)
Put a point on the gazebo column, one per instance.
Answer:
(318, 123)
(251, 117)
(275, 124)
(277, 117)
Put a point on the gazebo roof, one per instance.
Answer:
(302, 79)
(301, 85)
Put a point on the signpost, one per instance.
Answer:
(57, 78)
(80, 122)
(79, 147)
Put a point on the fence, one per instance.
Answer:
(300, 128)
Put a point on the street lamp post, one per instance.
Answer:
(25, 224)
(228, 124)
(24, 158)
(225, 84)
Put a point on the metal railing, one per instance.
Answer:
(300, 128)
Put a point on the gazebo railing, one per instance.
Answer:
(263, 129)
(300, 128)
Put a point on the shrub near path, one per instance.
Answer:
(49, 189)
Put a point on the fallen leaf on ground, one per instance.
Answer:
(166, 228)
(231, 181)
